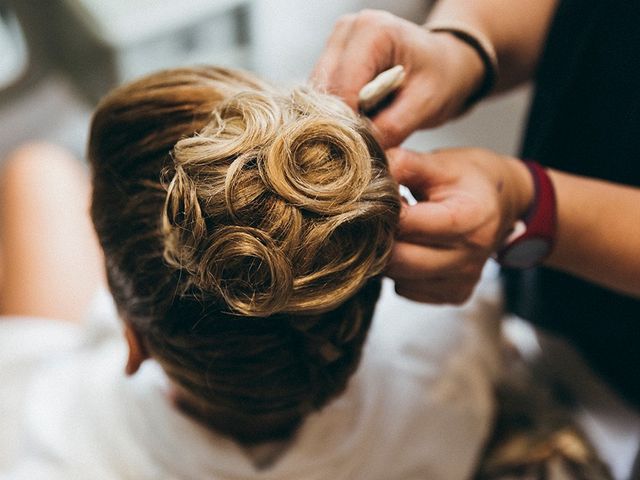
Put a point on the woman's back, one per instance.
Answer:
(419, 406)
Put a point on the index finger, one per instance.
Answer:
(353, 56)
(401, 117)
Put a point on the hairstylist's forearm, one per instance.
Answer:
(598, 232)
(517, 30)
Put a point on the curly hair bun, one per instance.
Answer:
(281, 204)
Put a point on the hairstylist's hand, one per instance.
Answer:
(468, 200)
(442, 71)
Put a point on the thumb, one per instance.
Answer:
(399, 119)
(416, 170)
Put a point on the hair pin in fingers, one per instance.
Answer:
(374, 92)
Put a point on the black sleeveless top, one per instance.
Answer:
(585, 119)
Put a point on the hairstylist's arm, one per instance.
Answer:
(443, 72)
(468, 199)
(598, 232)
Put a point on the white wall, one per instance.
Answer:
(289, 36)
(496, 123)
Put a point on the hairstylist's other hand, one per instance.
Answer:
(468, 200)
(442, 71)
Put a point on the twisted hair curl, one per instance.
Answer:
(275, 200)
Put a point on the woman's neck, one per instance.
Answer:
(250, 431)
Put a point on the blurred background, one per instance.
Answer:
(58, 57)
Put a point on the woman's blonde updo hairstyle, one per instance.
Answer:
(244, 230)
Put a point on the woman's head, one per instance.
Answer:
(244, 230)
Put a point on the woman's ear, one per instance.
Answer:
(137, 352)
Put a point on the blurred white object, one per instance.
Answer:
(406, 195)
(106, 42)
(13, 50)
